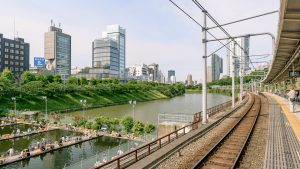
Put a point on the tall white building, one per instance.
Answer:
(209, 74)
(139, 72)
(189, 79)
(241, 58)
(118, 33)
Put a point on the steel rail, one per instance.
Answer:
(206, 157)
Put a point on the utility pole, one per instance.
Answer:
(204, 66)
(233, 76)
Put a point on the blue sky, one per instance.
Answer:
(156, 30)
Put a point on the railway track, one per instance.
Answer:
(227, 152)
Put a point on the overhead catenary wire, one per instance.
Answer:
(240, 20)
(220, 27)
(224, 45)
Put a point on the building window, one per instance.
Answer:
(6, 56)
(17, 46)
(12, 57)
(6, 62)
(0, 53)
(12, 63)
(21, 64)
(22, 47)
(21, 69)
(21, 58)
(6, 68)
(6, 50)
(17, 63)
(12, 51)
(21, 52)
(17, 52)
(16, 69)
(12, 45)
(0, 59)
(11, 69)
(17, 57)
(6, 44)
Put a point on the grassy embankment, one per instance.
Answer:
(72, 101)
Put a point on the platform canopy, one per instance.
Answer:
(286, 52)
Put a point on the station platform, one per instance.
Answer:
(283, 146)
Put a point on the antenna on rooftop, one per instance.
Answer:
(51, 22)
(14, 27)
(59, 24)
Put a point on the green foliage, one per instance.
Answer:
(50, 78)
(128, 124)
(83, 81)
(79, 121)
(41, 77)
(8, 75)
(138, 128)
(28, 77)
(33, 88)
(57, 78)
(111, 123)
(88, 125)
(95, 126)
(72, 80)
(149, 128)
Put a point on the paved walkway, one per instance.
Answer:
(283, 147)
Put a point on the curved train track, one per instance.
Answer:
(227, 152)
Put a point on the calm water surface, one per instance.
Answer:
(148, 111)
(9, 129)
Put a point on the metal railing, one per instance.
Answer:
(137, 154)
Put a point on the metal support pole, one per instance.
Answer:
(242, 75)
(233, 78)
(46, 109)
(204, 66)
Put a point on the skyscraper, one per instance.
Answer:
(58, 51)
(217, 66)
(14, 55)
(189, 79)
(118, 33)
(105, 58)
(241, 58)
(170, 74)
(209, 74)
(153, 72)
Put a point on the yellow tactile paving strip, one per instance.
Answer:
(294, 121)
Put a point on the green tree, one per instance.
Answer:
(50, 78)
(41, 77)
(72, 80)
(128, 124)
(28, 77)
(149, 128)
(88, 125)
(138, 128)
(57, 78)
(95, 126)
(83, 81)
(33, 88)
(8, 75)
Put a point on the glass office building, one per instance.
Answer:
(106, 58)
(58, 52)
(118, 33)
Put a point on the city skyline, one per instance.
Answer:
(148, 39)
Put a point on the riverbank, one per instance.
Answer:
(72, 101)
